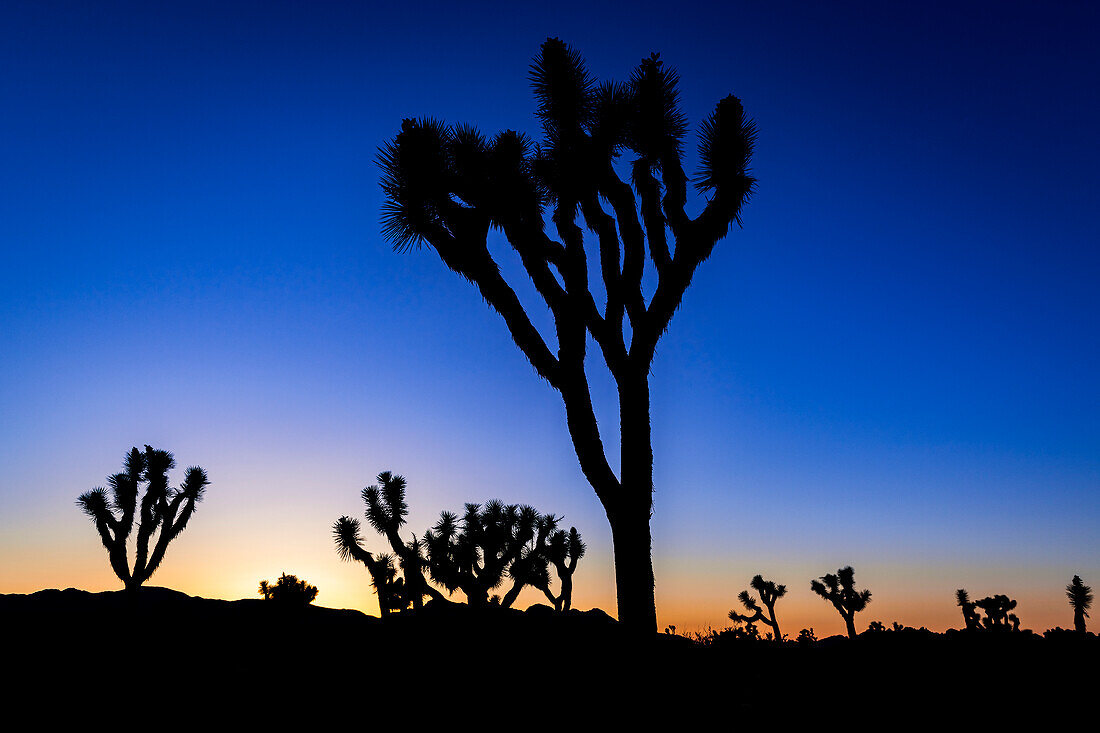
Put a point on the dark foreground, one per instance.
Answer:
(448, 663)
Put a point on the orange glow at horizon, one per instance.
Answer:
(691, 603)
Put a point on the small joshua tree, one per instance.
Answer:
(565, 551)
(998, 615)
(1080, 599)
(290, 590)
(550, 546)
(769, 593)
(386, 512)
(475, 553)
(383, 572)
(161, 516)
(970, 616)
(840, 590)
(532, 565)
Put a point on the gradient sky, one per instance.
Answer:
(893, 365)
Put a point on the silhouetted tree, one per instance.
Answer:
(840, 590)
(474, 554)
(449, 186)
(383, 573)
(386, 512)
(769, 593)
(998, 616)
(1080, 600)
(162, 514)
(290, 590)
(971, 617)
(531, 565)
(550, 546)
(565, 551)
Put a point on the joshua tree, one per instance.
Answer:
(450, 186)
(383, 572)
(998, 616)
(386, 512)
(1080, 599)
(474, 554)
(289, 590)
(970, 616)
(565, 551)
(162, 509)
(532, 565)
(769, 593)
(840, 590)
(550, 546)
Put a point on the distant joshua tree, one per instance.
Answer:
(162, 509)
(386, 512)
(564, 550)
(998, 615)
(1080, 599)
(970, 616)
(769, 593)
(383, 573)
(289, 590)
(840, 590)
(549, 546)
(474, 554)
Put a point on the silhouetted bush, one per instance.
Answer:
(162, 509)
(840, 590)
(290, 590)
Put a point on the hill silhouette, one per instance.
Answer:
(453, 652)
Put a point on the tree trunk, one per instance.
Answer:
(512, 594)
(1079, 620)
(851, 624)
(775, 624)
(565, 594)
(634, 572)
(630, 514)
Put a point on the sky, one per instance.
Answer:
(892, 364)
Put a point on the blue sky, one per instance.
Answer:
(893, 364)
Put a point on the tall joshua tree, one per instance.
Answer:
(161, 516)
(449, 187)
(769, 593)
(1080, 599)
(840, 590)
